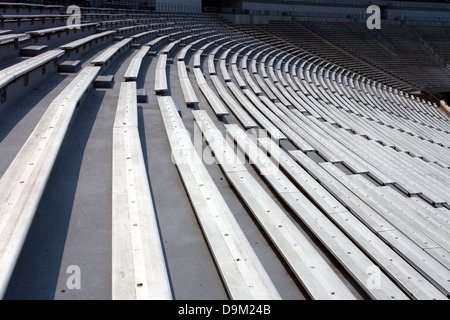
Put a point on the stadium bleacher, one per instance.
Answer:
(291, 160)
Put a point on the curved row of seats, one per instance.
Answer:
(75, 42)
(372, 129)
(364, 166)
(405, 56)
(27, 175)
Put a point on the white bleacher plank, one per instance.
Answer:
(261, 118)
(81, 42)
(25, 179)
(263, 85)
(436, 188)
(361, 229)
(437, 216)
(317, 192)
(432, 269)
(244, 118)
(238, 77)
(435, 230)
(139, 271)
(312, 141)
(407, 277)
(126, 114)
(253, 67)
(281, 93)
(211, 64)
(331, 145)
(48, 31)
(162, 61)
(440, 255)
(141, 36)
(197, 59)
(213, 100)
(320, 281)
(133, 69)
(251, 82)
(271, 69)
(411, 183)
(109, 53)
(199, 76)
(161, 81)
(357, 144)
(224, 70)
(189, 95)
(161, 85)
(13, 36)
(190, 98)
(157, 41)
(373, 220)
(316, 275)
(356, 262)
(338, 244)
(414, 228)
(286, 127)
(183, 52)
(182, 70)
(17, 70)
(262, 68)
(170, 47)
(241, 270)
(179, 138)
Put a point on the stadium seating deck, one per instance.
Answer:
(279, 161)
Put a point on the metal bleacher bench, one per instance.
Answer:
(365, 226)
(107, 55)
(45, 32)
(242, 272)
(19, 69)
(12, 73)
(161, 85)
(133, 69)
(138, 265)
(24, 181)
(263, 121)
(77, 44)
(12, 37)
(244, 118)
(214, 101)
(302, 258)
(354, 260)
(190, 97)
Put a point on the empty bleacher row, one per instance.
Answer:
(226, 78)
(400, 55)
(15, 49)
(221, 65)
(11, 76)
(342, 178)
